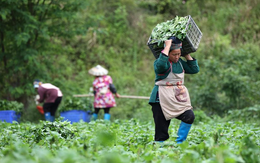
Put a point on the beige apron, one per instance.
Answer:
(173, 95)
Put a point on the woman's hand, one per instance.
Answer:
(168, 43)
(167, 47)
(117, 95)
(188, 57)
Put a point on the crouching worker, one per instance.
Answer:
(170, 98)
(51, 96)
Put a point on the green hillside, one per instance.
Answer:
(59, 41)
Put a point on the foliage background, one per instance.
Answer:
(59, 41)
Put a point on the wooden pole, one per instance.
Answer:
(121, 96)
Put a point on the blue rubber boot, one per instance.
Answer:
(107, 116)
(47, 116)
(94, 116)
(183, 132)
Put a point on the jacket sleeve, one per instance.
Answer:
(41, 94)
(112, 88)
(191, 66)
(161, 64)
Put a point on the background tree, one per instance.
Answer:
(32, 35)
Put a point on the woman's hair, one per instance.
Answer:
(175, 40)
(176, 43)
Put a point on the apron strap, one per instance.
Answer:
(181, 66)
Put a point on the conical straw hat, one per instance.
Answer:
(98, 71)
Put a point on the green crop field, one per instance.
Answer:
(58, 41)
(127, 141)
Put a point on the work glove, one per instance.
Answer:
(37, 97)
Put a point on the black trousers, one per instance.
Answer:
(52, 107)
(106, 110)
(162, 125)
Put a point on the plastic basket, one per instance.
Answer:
(76, 116)
(190, 43)
(9, 116)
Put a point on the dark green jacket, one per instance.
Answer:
(162, 69)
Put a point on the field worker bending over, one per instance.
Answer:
(51, 96)
(103, 91)
(170, 98)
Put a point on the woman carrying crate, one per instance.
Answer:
(103, 91)
(170, 98)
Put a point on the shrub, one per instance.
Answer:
(11, 105)
(246, 114)
(74, 103)
(200, 116)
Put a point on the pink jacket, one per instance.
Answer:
(48, 93)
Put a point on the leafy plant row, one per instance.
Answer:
(128, 141)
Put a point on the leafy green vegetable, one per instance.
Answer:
(123, 141)
(175, 27)
(45, 129)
